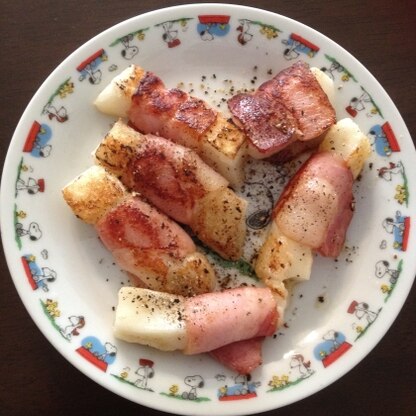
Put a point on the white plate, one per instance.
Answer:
(333, 321)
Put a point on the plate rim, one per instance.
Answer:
(395, 304)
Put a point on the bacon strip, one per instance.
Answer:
(172, 113)
(173, 177)
(144, 242)
(291, 106)
(225, 324)
(153, 248)
(191, 122)
(242, 356)
(221, 318)
(315, 208)
(179, 183)
(268, 124)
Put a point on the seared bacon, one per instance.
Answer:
(146, 243)
(179, 183)
(315, 208)
(221, 318)
(171, 113)
(269, 124)
(242, 356)
(294, 149)
(291, 106)
(173, 177)
(213, 322)
(314, 211)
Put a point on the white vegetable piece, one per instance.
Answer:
(93, 193)
(222, 147)
(326, 83)
(347, 140)
(150, 318)
(115, 99)
(282, 261)
(281, 258)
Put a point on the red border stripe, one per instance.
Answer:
(31, 137)
(406, 233)
(214, 18)
(391, 137)
(329, 359)
(29, 274)
(92, 58)
(305, 42)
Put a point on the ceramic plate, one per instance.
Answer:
(68, 281)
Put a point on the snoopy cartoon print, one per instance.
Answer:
(75, 323)
(336, 67)
(37, 140)
(212, 26)
(362, 311)
(244, 28)
(334, 345)
(38, 277)
(97, 353)
(170, 35)
(399, 227)
(31, 186)
(395, 172)
(59, 114)
(358, 104)
(299, 370)
(382, 269)
(90, 68)
(298, 363)
(129, 51)
(242, 388)
(383, 139)
(194, 383)
(296, 44)
(387, 172)
(32, 231)
(366, 317)
(171, 30)
(144, 373)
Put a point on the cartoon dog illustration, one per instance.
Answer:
(43, 150)
(33, 231)
(383, 269)
(332, 336)
(129, 51)
(60, 114)
(31, 186)
(290, 52)
(334, 67)
(244, 36)
(170, 36)
(298, 362)
(46, 274)
(361, 310)
(110, 351)
(76, 322)
(387, 172)
(206, 33)
(144, 372)
(194, 382)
